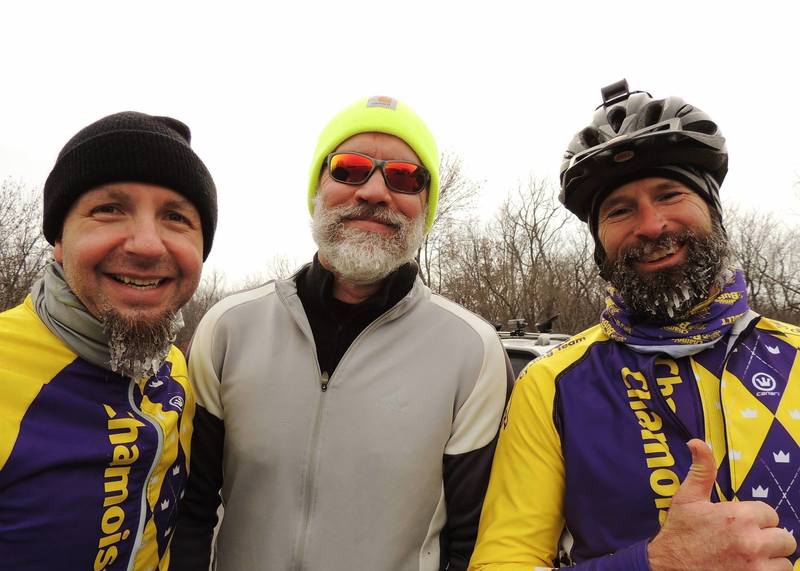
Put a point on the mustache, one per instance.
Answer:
(382, 214)
(119, 262)
(647, 246)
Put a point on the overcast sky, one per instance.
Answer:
(504, 85)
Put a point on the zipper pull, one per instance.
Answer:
(324, 381)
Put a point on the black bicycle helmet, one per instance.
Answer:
(631, 133)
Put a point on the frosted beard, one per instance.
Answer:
(139, 346)
(670, 294)
(361, 256)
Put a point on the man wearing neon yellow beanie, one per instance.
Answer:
(352, 412)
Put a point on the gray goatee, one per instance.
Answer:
(139, 346)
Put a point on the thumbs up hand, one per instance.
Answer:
(699, 534)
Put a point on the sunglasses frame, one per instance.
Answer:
(379, 164)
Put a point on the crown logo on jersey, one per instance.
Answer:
(164, 505)
(781, 457)
(776, 350)
(735, 455)
(760, 492)
(789, 530)
(176, 470)
(764, 382)
(749, 413)
(795, 414)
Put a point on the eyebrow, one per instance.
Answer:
(180, 203)
(614, 201)
(124, 198)
(115, 194)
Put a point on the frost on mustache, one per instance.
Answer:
(138, 347)
(671, 294)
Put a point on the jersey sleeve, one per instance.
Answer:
(522, 516)
(469, 453)
(523, 519)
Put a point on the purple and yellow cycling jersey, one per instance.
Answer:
(593, 445)
(92, 464)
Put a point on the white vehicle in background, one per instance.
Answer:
(523, 347)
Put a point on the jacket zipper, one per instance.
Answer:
(143, 507)
(324, 381)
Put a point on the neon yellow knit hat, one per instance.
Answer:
(379, 115)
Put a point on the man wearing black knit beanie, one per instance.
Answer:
(97, 408)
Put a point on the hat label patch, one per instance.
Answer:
(382, 101)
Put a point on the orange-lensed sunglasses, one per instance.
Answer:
(356, 168)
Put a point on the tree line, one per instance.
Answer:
(533, 260)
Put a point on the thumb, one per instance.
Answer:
(700, 480)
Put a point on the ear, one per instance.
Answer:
(57, 253)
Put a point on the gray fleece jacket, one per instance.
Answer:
(383, 465)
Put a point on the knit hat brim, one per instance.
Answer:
(129, 155)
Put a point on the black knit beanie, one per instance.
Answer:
(129, 147)
(695, 179)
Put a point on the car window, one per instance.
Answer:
(519, 359)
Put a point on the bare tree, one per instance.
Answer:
(24, 253)
(456, 198)
(768, 251)
(532, 262)
(209, 292)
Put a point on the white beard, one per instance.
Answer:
(360, 256)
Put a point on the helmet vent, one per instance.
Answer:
(707, 127)
(684, 111)
(616, 116)
(651, 114)
(590, 137)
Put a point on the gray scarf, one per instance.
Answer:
(64, 314)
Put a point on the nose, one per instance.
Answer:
(650, 223)
(374, 190)
(144, 238)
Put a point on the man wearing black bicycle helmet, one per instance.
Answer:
(591, 467)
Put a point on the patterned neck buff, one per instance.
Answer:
(707, 323)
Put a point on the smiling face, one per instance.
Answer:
(638, 214)
(663, 252)
(132, 249)
(366, 231)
